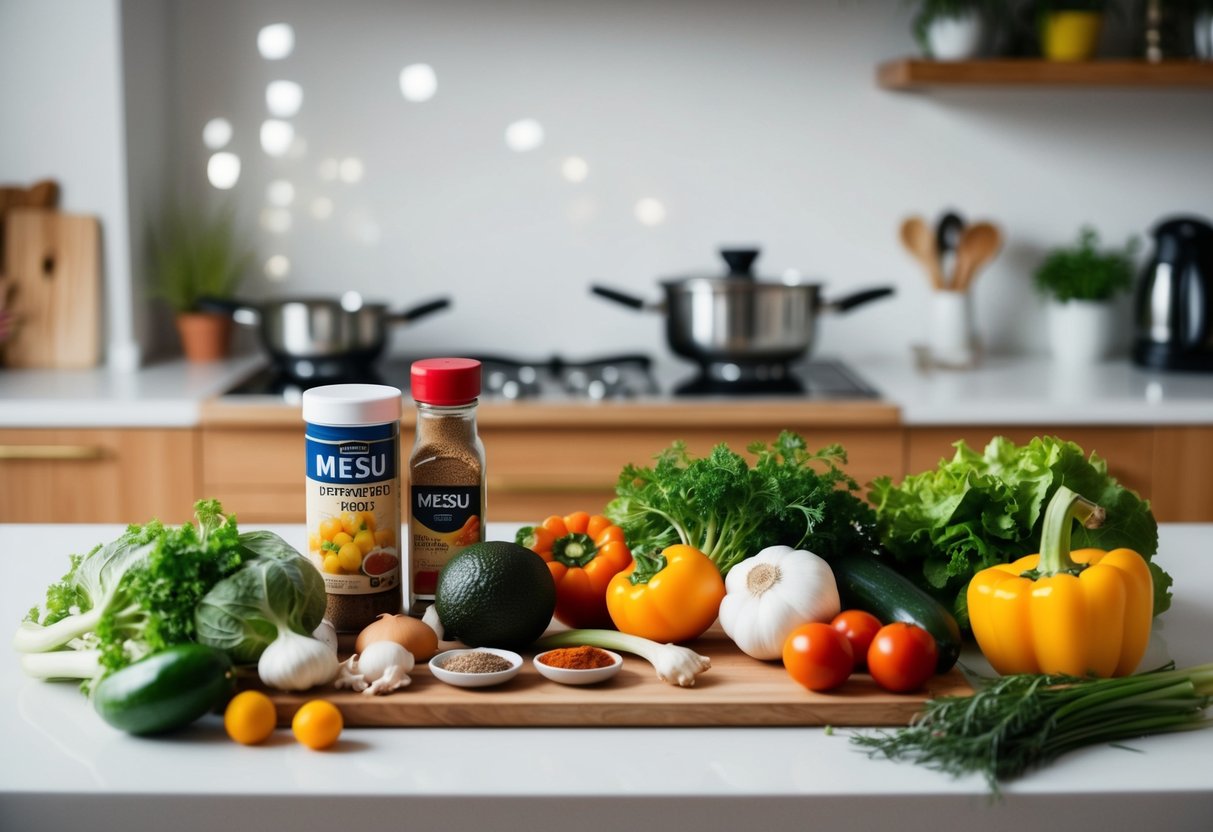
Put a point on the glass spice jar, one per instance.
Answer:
(446, 470)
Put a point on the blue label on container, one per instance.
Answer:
(356, 461)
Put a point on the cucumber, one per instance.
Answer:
(867, 584)
(166, 690)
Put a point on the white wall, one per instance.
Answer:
(753, 121)
(61, 97)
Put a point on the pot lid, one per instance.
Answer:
(739, 267)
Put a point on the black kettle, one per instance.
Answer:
(1175, 298)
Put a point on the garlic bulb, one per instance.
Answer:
(771, 594)
(326, 633)
(381, 668)
(295, 662)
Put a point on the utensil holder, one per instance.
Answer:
(952, 340)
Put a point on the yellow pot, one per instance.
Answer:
(1070, 36)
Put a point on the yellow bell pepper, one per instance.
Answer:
(1083, 613)
(671, 597)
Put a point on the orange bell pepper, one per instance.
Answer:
(671, 597)
(1082, 613)
(583, 553)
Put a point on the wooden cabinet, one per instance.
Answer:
(256, 472)
(1182, 474)
(540, 460)
(533, 473)
(97, 476)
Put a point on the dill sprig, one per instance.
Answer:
(1016, 723)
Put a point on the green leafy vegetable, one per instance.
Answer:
(980, 509)
(1016, 723)
(134, 596)
(729, 510)
(244, 613)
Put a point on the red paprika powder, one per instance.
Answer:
(584, 657)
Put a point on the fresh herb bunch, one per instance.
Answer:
(730, 511)
(198, 255)
(1016, 723)
(979, 509)
(134, 596)
(1086, 273)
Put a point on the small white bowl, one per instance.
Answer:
(475, 680)
(569, 676)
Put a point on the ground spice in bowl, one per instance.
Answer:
(584, 657)
(477, 662)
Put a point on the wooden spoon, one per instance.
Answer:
(919, 240)
(978, 245)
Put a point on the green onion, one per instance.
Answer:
(1017, 723)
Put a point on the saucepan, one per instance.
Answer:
(303, 332)
(737, 318)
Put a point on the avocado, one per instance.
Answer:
(495, 594)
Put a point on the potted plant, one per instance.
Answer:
(1080, 283)
(1070, 29)
(199, 255)
(952, 30)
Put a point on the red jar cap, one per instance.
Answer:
(446, 381)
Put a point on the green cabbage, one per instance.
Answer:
(981, 509)
(243, 613)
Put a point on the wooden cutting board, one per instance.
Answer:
(737, 690)
(52, 264)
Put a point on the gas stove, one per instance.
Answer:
(609, 377)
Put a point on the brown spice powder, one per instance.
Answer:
(445, 453)
(477, 662)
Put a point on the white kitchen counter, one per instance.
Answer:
(1003, 391)
(63, 768)
(1036, 391)
(168, 394)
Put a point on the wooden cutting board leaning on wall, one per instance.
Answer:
(52, 268)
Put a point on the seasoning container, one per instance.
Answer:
(353, 499)
(446, 470)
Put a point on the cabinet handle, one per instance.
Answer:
(505, 486)
(51, 452)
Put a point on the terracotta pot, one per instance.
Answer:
(204, 335)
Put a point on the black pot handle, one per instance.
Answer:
(420, 311)
(848, 302)
(623, 298)
(242, 312)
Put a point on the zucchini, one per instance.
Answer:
(166, 690)
(867, 584)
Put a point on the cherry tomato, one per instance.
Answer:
(902, 657)
(817, 656)
(859, 628)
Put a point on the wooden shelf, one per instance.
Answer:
(914, 74)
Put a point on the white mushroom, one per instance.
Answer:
(381, 668)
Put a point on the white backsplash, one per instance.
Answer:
(755, 122)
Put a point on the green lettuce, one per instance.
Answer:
(981, 509)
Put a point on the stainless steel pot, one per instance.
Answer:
(296, 330)
(739, 319)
